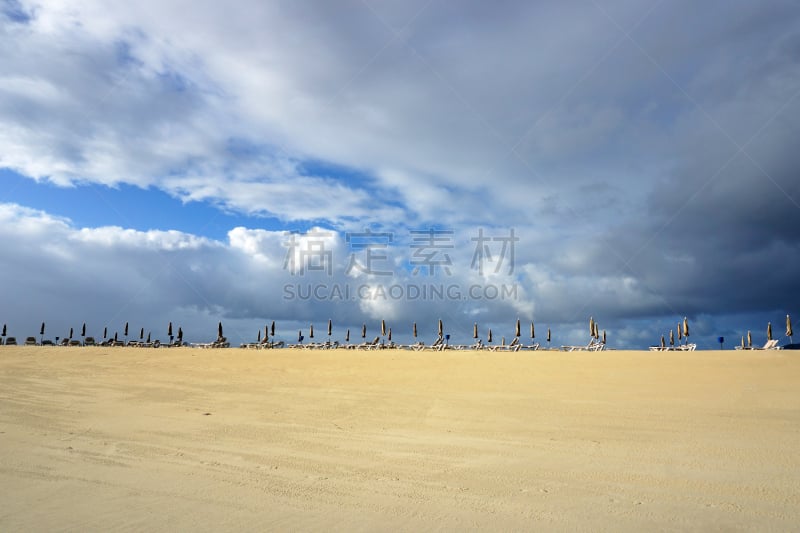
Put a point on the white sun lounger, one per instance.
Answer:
(769, 345)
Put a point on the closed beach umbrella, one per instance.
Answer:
(595, 333)
(115, 337)
(299, 335)
(272, 329)
(180, 334)
(516, 329)
(591, 326)
(363, 331)
(70, 333)
(347, 335)
(789, 332)
(259, 335)
(680, 332)
(126, 329)
(415, 330)
(4, 330)
(266, 333)
(83, 330)
(663, 344)
(311, 331)
(533, 333)
(749, 339)
(105, 332)
(489, 337)
(475, 331)
(686, 328)
(169, 330)
(441, 328)
(383, 328)
(141, 334)
(671, 338)
(41, 330)
(219, 330)
(390, 333)
(330, 327)
(769, 331)
(743, 345)
(502, 341)
(148, 337)
(604, 336)
(548, 335)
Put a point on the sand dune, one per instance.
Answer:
(144, 439)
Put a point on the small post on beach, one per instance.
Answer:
(721, 340)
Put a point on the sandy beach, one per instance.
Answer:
(187, 439)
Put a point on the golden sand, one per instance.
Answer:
(189, 439)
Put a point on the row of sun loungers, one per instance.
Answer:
(439, 344)
(593, 346)
(769, 345)
(91, 341)
(263, 345)
(680, 348)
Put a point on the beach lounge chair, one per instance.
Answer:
(769, 345)
(31, 341)
(90, 341)
(221, 342)
(513, 346)
(592, 346)
(369, 345)
(476, 346)
(271, 344)
(437, 345)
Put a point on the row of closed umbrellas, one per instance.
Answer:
(269, 331)
(683, 333)
(105, 332)
(387, 332)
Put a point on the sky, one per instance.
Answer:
(358, 161)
